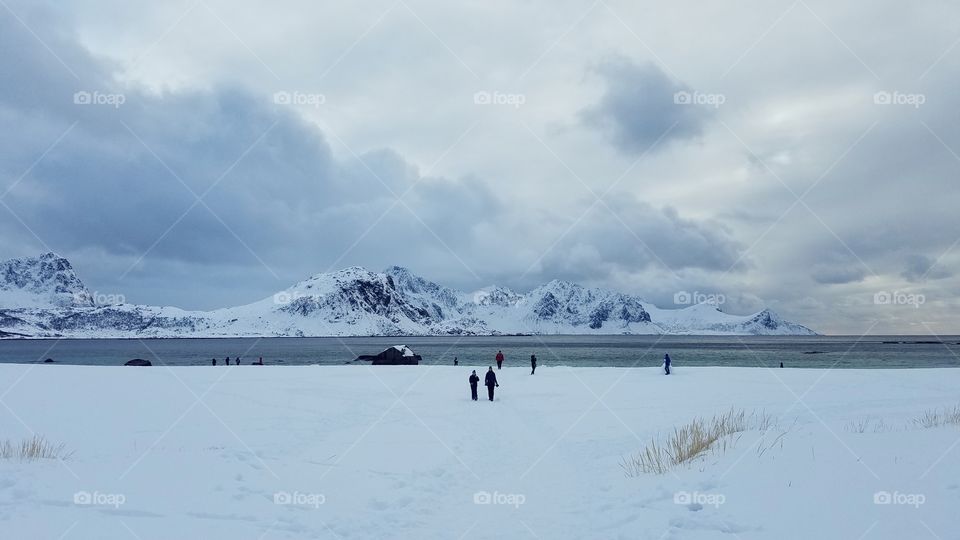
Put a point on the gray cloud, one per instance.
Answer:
(123, 183)
(638, 107)
(835, 274)
(629, 235)
(799, 114)
(920, 268)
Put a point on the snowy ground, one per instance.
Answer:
(401, 452)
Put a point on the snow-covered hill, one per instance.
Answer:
(43, 297)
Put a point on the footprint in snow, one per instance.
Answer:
(709, 485)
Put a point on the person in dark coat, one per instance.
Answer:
(227, 362)
(214, 361)
(474, 379)
(533, 363)
(666, 363)
(499, 359)
(491, 382)
(457, 363)
(238, 360)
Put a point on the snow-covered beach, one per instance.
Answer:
(402, 452)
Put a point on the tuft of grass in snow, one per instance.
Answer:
(937, 417)
(865, 424)
(691, 441)
(32, 449)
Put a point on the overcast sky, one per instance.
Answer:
(798, 155)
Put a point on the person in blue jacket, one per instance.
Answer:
(491, 382)
(666, 363)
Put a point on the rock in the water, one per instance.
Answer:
(138, 362)
(398, 355)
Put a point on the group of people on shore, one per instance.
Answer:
(490, 379)
(228, 362)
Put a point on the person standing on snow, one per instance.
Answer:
(491, 382)
(474, 379)
(666, 363)
(499, 359)
(533, 363)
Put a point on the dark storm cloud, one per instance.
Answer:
(920, 268)
(124, 180)
(641, 105)
(838, 274)
(630, 235)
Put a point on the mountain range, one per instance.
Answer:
(42, 297)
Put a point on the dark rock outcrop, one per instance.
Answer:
(394, 356)
(138, 362)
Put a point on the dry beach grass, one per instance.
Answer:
(693, 440)
(32, 449)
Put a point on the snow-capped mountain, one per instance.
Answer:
(43, 297)
(47, 280)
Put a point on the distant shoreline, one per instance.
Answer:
(953, 338)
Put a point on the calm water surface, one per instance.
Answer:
(793, 351)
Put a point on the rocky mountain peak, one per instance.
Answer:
(45, 280)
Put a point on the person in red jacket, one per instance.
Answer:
(499, 359)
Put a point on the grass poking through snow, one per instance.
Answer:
(32, 449)
(691, 441)
(937, 417)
